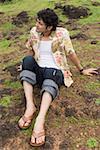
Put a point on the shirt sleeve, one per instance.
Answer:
(66, 43)
(31, 39)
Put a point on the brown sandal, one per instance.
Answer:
(35, 135)
(25, 120)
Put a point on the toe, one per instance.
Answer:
(27, 123)
(21, 123)
(39, 140)
(43, 138)
(32, 139)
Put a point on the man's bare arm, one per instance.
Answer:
(74, 58)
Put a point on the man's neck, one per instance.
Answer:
(45, 35)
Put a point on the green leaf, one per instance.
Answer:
(92, 143)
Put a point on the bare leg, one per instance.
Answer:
(39, 124)
(30, 107)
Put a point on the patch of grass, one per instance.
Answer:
(92, 143)
(29, 131)
(14, 119)
(74, 32)
(93, 86)
(23, 5)
(23, 37)
(6, 27)
(6, 100)
(78, 3)
(13, 85)
(89, 122)
(56, 123)
(62, 17)
(94, 63)
(92, 18)
(12, 62)
(5, 46)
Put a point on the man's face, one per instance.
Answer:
(40, 26)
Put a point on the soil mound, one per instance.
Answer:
(73, 12)
(20, 19)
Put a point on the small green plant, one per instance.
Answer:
(97, 101)
(5, 101)
(14, 85)
(4, 43)
(92, 143)
(72, 120)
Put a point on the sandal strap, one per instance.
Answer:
(25, 119)
(37, 135)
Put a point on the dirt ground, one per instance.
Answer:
(73, 118)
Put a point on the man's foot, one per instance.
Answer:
(26, 119)
(38, 135)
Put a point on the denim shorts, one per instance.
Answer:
(48, 79)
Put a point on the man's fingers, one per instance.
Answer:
(19, 68)
(94, 72)
(90, 74)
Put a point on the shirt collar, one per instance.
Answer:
(51, 35)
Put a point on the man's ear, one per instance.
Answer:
(49, 28)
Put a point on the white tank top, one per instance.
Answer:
(46, 56)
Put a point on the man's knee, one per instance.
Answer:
(28, 72)
(28, 63)
(51, 87)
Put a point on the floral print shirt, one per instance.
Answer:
(61, 48)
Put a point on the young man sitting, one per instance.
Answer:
(47, 66)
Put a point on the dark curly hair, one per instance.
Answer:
(49, 17)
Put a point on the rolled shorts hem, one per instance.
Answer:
(28, 76)
(51, 87)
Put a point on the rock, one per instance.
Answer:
(13, 70)
(80, 36)
(5, 91)
(48, 144)
(1, 13)
(95, 3)
(13, 35)
(63, 145)
(88, 96)
(96, 114)
(75, 12)
(70, 112)
(94, 42)
(2, 1)
(20, 19)
(58, 5)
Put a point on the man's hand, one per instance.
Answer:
(19, 68)
(90, 71)
(67, 73)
